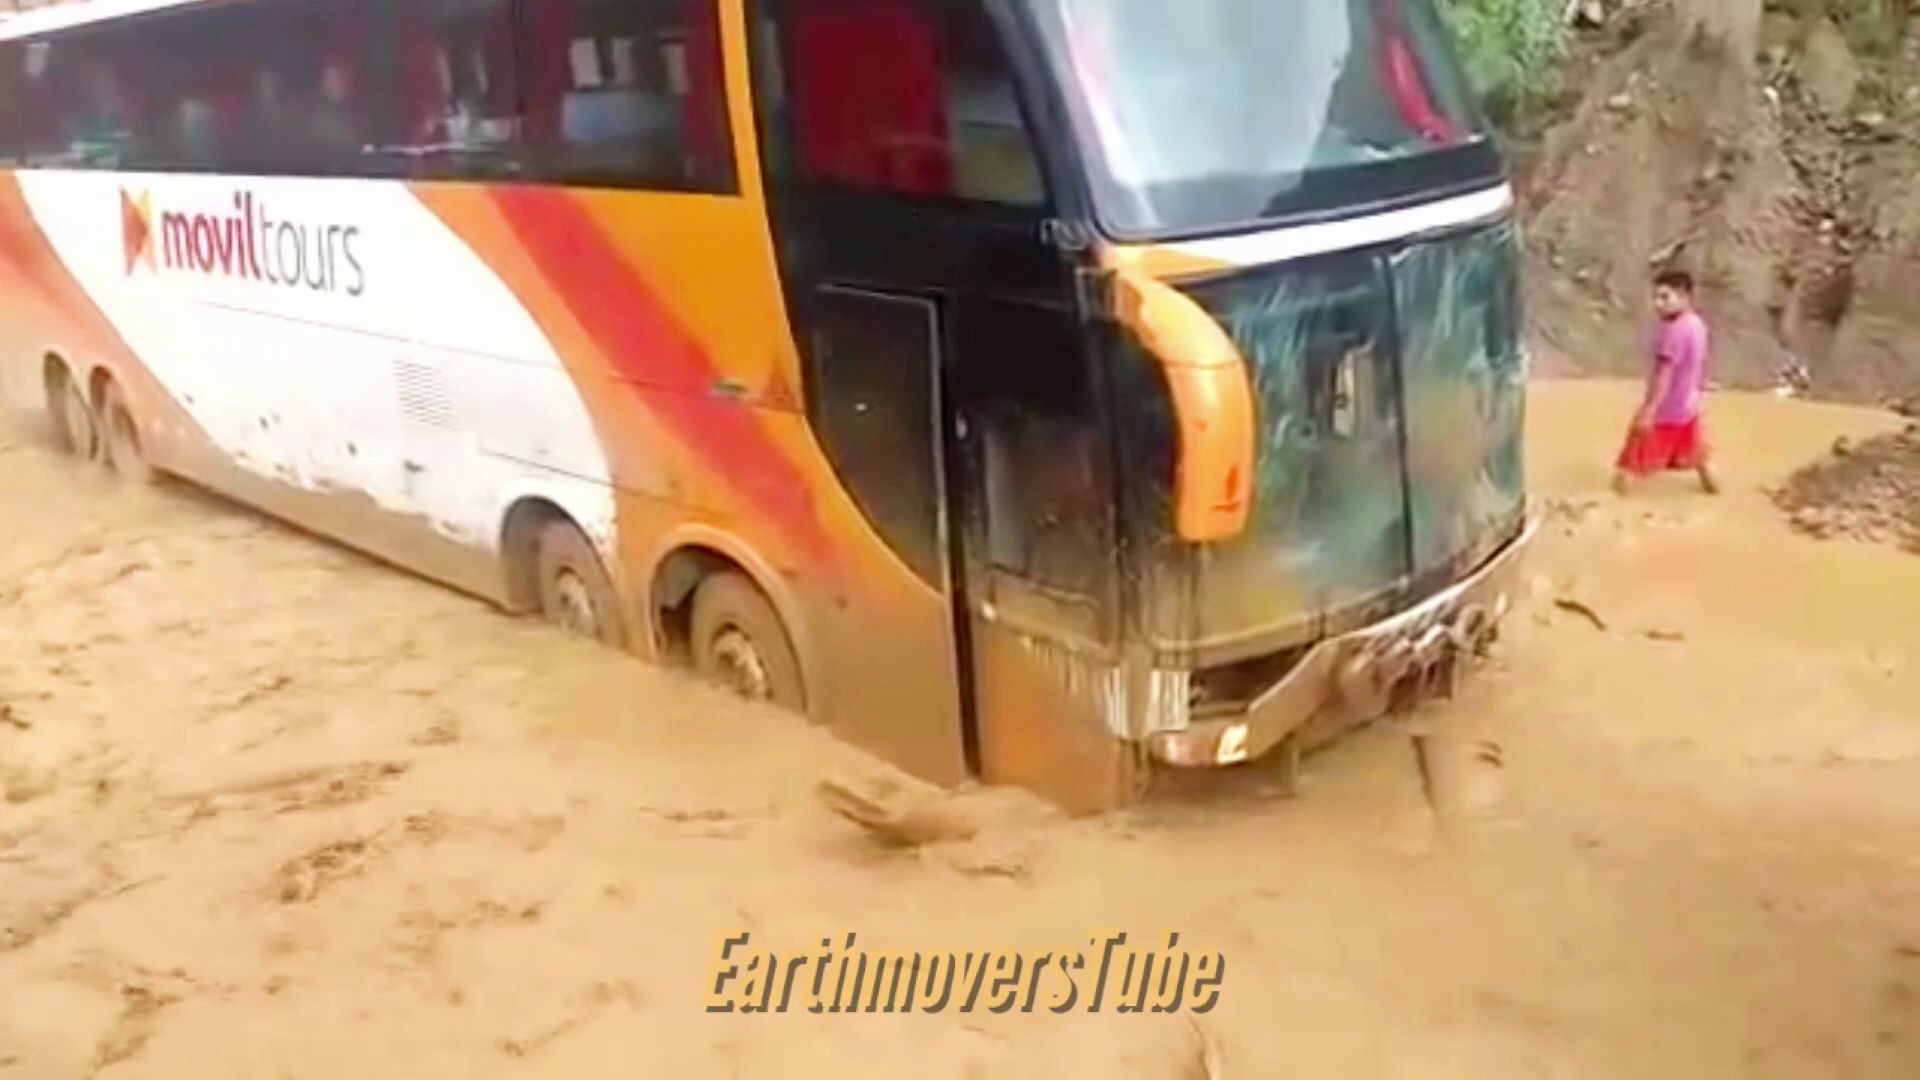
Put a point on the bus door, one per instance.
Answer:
(910, 211)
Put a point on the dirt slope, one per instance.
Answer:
(1772, 154)
(269, 811)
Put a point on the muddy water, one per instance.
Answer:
(270, 810)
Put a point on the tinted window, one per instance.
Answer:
(627, 91)
(911, 97)
(598, 91)
(456, 94)
(263, 88)
(1211, 113)
(302, 86)
(76, 109)
(1043, 470)
(873, 359)
(13, 113)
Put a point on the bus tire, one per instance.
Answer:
(739, 643)
(76, 428)
(125, 453)
(575, 593)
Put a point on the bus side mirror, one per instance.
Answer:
(1213, 406)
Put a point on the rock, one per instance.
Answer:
(1842, 447)
(1870, 120)
(1829, 71)
(1461, 779)
(1668, 252)
(904, 813)
(1620, 102)
(896, 816)
(1792, 379)
(1590, 15)
(1810, 521)
(1578, 607)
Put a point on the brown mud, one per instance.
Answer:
(270, 810)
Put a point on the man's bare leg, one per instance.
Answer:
(1708, 481)
(1621, 481)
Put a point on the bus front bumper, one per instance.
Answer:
(1347, 681)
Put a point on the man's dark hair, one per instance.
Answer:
(1677, 280)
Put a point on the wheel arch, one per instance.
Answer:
(56, 364)
(688, 556)
(97, 382)
(527, 510)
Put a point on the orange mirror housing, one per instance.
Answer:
(1212, 403)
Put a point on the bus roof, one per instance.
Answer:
(66, 14)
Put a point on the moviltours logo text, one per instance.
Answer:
(248, 243)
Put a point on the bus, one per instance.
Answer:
(1054, 393)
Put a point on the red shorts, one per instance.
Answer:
(1663, 446)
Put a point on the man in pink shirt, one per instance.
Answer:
(1666, 431)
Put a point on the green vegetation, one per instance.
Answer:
(1512, 50)
(1875, 26)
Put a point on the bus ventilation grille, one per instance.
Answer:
(424, 396)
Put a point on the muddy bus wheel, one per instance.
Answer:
(121, 437)
(75, 428)
(739, 643)
(575, 593)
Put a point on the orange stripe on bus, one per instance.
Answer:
(649, 348)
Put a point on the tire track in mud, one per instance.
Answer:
(80, 614)
(17, 931)
(305, 877)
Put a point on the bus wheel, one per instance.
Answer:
(122, 436)
(75, 427)
(575, 593)
(738, 643)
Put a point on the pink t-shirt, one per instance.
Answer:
(1681, 344)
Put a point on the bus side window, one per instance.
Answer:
(626, 92)
(13, 105)
(89, 117)
(200, 88)
(907, 97)
(456, 90)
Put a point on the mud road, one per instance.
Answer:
(270, 810)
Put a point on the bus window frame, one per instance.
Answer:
(726, 184)
(392, 162)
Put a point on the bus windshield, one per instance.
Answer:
(1214, 113)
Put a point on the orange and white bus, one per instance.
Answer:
(1046, 391)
